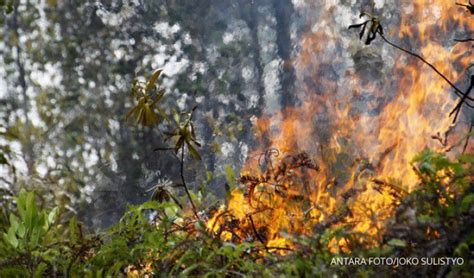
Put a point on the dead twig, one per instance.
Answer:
(464, 40)
(443, 139)
(384, 155)
(464, 96)
(467, 139)
(469, 6)
(457, 109)
(257, 235)
(394, 190)
(267, 156)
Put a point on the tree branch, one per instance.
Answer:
(458, 91)
(457, 109)
(257, 235)
(467, 139)
(464, 40)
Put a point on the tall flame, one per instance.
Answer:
(362, 131)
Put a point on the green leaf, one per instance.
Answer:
(427, 168)
(53, 215)
(14, 223)
(397, 242)
(132, 114)
(179, 144)
(35, 236)
(21, 232)
(467, 203)
(9, 8)
(10, 237)
(176, 116)
(230, 176)
(143, 113)
(21, 204)
(151, 205)
(188, 270)
(462, 250)
(171, 211)
(3, 159)
(31, 210)
(14, 271)
(73, 229)
(194, 152)
(153, 79)
(150, 118)
(40, 269)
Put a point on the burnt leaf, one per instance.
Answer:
(161, 195)
(361, 34)
(3, 159)
(375, 27)
(358, 25)
(469, 6)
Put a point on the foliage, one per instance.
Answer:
(27, 237)
(158, 238)
(148, 95)
(6, 6)
(184, 133)
(374, 28)
(436, 219)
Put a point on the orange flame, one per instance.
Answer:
(367, 150)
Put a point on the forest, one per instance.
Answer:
(236, 138)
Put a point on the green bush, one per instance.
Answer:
(161, 239)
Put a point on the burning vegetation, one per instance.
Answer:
(281, 193)
(327, 177)
(290, 197)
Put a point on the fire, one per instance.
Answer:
(354, 157)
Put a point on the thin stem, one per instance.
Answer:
(163, 149)
(257, 235)
(464, 40)
(469, 6)
(457, 109)
(184, 183)
(458, 91)
(467, 139)
(175, 200)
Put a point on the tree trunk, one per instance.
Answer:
(284, 10)
(28, 152)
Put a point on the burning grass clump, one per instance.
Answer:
(286, 197)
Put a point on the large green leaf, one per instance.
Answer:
(10, 237)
